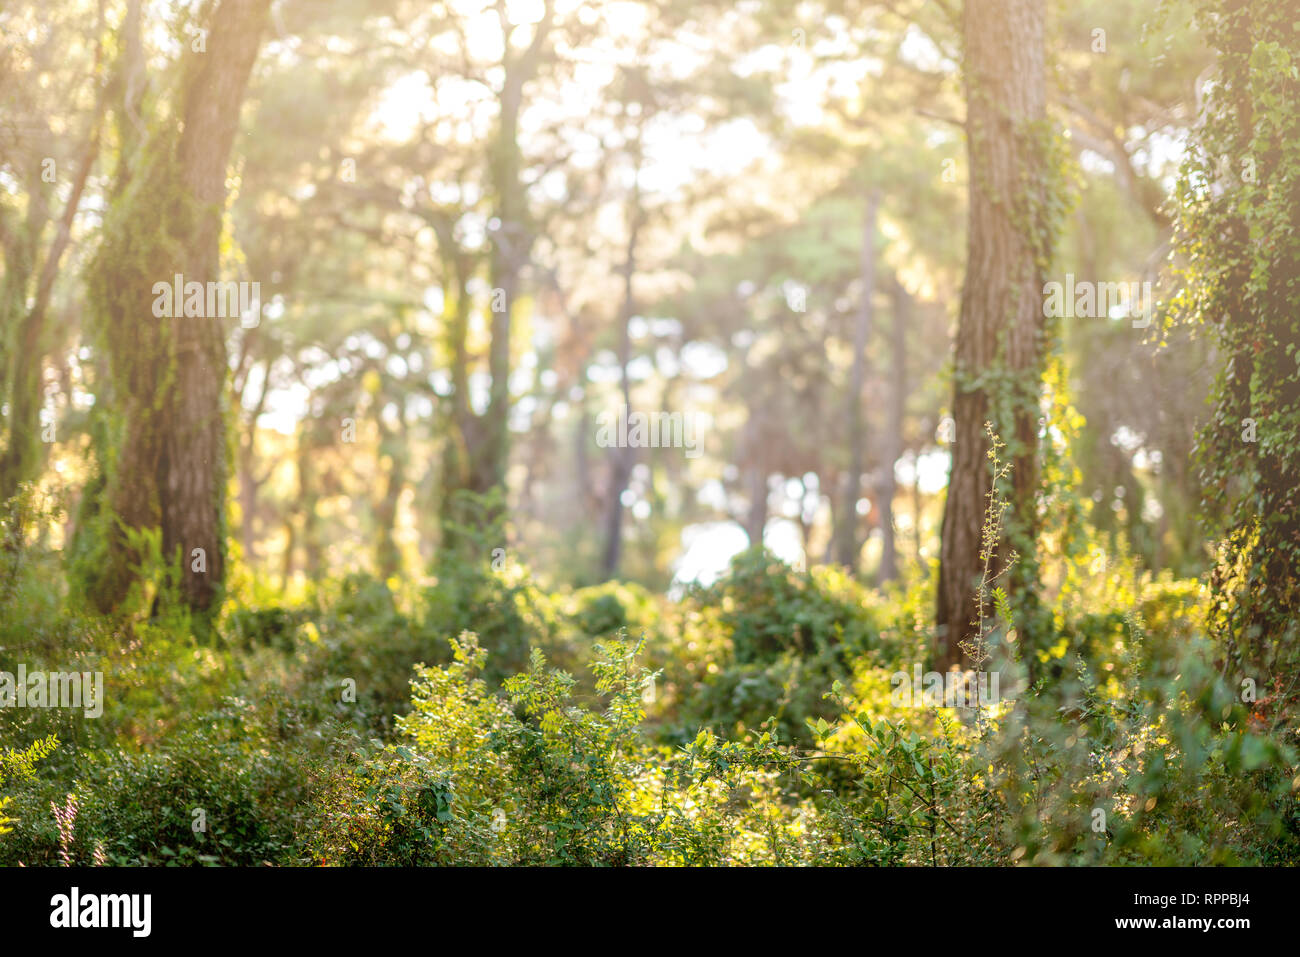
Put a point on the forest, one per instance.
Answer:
(649, 433)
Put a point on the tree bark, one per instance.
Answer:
(192, 476)
(511, 244)
(171, 464)
(756, 516)
(1000, 336)
(249, 482)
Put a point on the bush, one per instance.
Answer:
(140, 809)
(20, 764)
(766, 640)
(526, 776)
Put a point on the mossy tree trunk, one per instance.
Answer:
(1239, 200)
(166, 465)
(479, 447)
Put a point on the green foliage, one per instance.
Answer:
(1163, 765)
(1237, 200)
(542, 767)
(480, 589)
(320, 714)
(273, 627)
(20, 763)
(530, 776)
(600, 611)
(29, 596)
(143, 806)
(764, 641)
(768, 609)
(524, 777)
(226, 791)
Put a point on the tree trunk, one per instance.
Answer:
(17, 382)
(309, 495)
(622, 459)
(511, 245)
(478, 451)
(894, 429)
(192, 476)
(1000, 336)
(458, 471)
(388, 556)
(756, 517)
(248, 486)
(169, 374)
(846, 536)
(23, 454)
(249, 483)
(21, 378)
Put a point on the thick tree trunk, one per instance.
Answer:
(192, 474)
(171, 466)
(1001, 330)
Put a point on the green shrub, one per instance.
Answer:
(20, 764)
(140, 808)
(526, 775)
(766, 640)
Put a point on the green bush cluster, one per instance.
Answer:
(749, 722)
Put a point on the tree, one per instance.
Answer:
(846, 536)
(623, 458)
(484, 439)
(1238, 200)
(1001, 335)
(901, 301)
(26, 292)
(166, 465)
